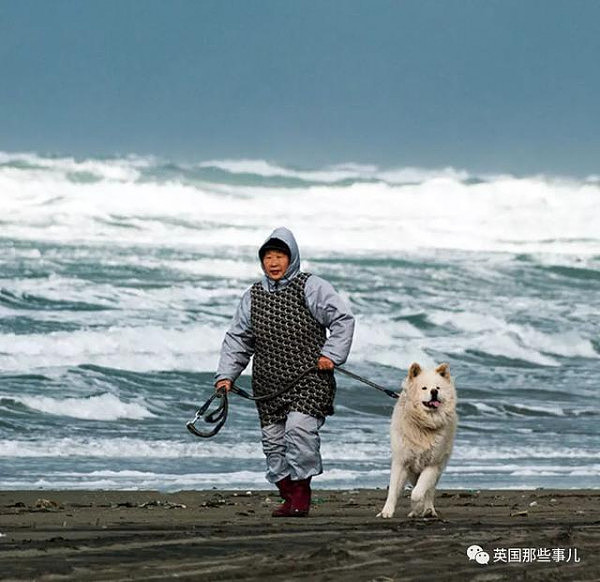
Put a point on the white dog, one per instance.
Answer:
(422, 434)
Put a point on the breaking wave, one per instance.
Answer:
(349, 207)
(102, 407)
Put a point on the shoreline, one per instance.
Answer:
(230, 535)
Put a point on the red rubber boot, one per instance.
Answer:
(285, 490)
(301, 494)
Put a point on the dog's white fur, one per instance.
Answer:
(421, 436)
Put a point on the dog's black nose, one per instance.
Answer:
(434, 393)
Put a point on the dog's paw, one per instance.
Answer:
(429, 512)
(386, 513)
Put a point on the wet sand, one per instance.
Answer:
(230, 535)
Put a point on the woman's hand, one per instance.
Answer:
(325, 363)
(225, 383)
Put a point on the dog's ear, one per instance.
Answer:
(414, 370)
(443, 370)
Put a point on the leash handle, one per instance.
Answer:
(217, 417)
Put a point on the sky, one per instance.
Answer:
(483, 85)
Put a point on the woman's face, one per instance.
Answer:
(275, 264)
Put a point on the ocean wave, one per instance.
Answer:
(592, 471)
(68, 293)
(176, 343)
(130, 448)
(578, 273)
(330, 475)
(469, 477)
(372, 454)
(144, 348)
(26, 301)
(529, 469)
(472, 408)
(390, 343)
(490, 453)
(391, 212)
(112, 169)
(568, 344)
(337, 173)
(134, 480)
(397, 345)
(127, 448)
(101, 407)
(490, 334)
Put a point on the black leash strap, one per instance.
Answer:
(241, 392)
(218, 416)
(390, 393)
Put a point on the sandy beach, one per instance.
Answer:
(230, 535)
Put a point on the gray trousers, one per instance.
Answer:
(293, 447)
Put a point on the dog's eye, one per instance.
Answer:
(424, 388)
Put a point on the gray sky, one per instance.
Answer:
(486, 85)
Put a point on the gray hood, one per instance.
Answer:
(285, 235)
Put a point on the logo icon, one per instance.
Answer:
(476, 553)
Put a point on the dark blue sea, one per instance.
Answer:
(118, 278)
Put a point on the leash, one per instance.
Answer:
(218, 416)
(390, 393)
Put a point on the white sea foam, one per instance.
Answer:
(196, 346)
(470, 465)
(144, 348)
(335, 173)
(467, 321)
(118, 448)
(124, 448)
(484, 408)
(122, 170)
(398, 343)
(531, 469)
(167, 302)
(592, 471)
(505, 345)
(390, 343)
(101, 407)
(466, 457)
(496, 336)
(233, 269)
(521, 409)
(569, 344)
(438, 210)
(71, 289)
(473, 452)
(134, 480)
(458, 476)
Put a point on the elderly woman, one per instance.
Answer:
(282, 321)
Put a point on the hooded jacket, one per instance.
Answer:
(324, 304)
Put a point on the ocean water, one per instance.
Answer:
(119, 277)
